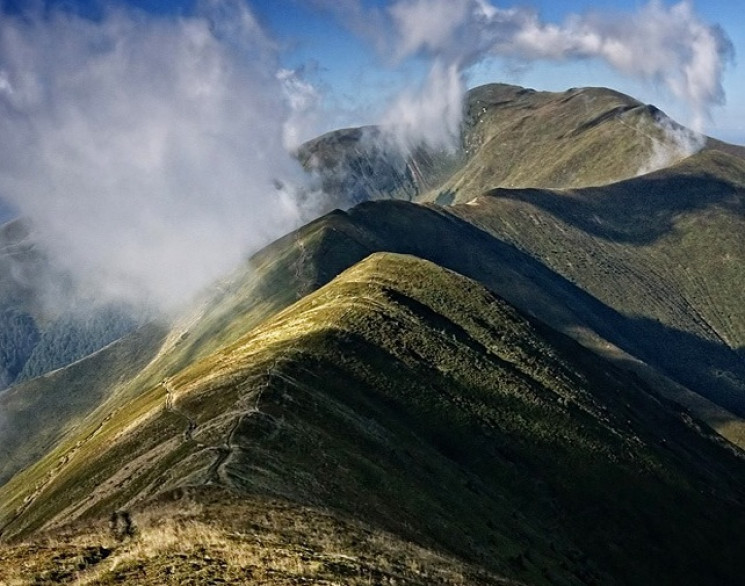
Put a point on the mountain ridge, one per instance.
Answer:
(267, 377)
(479, 380)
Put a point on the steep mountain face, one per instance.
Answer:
(523, 386)
(361, 164)
(413, 398)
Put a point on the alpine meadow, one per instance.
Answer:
(260, 324)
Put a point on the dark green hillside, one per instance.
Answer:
(664, 249)
(74, 336)
(19, 336)
(674, 341)
(414, 400)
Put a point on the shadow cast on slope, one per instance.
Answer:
(639, 211)
(709, 368)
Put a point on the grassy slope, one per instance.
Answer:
(208, 536)
(664, 249)
(39, 413)
(312, 256)
(516, 137)
(412, 399)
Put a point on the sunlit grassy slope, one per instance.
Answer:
(516, 137)
(39, 413)
(415, 401)
(511, 137)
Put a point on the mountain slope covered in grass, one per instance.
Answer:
(312, 256)
(664, 249)
(413, 399)
(541, 383)
(517, 137)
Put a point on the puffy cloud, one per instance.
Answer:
(430, 114)
(660, 44)
(305, 101)
(671, 45)
(146, 149)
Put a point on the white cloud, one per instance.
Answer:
(304, 100)
(658, 44)
(146, 149)
(671, 45)
(430, 114)
(431, 25)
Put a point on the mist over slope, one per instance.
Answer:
(510, 137)
(46, 320)
(547, 350)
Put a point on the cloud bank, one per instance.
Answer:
(145, 149)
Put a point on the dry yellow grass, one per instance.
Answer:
(231, 541)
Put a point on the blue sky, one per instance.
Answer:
(356, 79)
(356, 74)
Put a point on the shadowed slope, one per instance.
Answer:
(664, 249)
(413, 399)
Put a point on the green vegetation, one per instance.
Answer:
(411, 398)
(72, 337)
(517, 137)
(522, 386)
(38, 413)
(18, 338)
(664, 249)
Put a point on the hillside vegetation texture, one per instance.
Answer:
(529, 372)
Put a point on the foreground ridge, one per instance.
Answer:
(414, 400)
